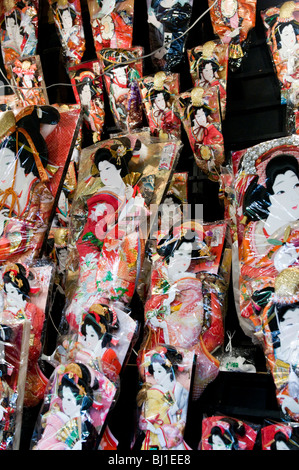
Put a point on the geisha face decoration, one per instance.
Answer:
(85, 95)
(160, 102)
(285, 198)
(109, 174)
(180, 260)
(159, 373)
(288, 37)
(200, 118)
(107, 6)
(13, 297)
(91, 338)
(208, 73)
(69, 403)
(66, 19)
(12, 28)
(120, 75)
(289, 337)
(7, 166)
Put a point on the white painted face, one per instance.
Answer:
(200, 118)
(180, 260)
(85, 95)
(69, 403)
(160, 374)
(218, 443)
(285, 256)
(281, 445)
(7, 167)
(67, 21)
(91, 338)
(13, 296)
(120, 75)
(285, 198)
(107, 7)
(208, 73)
(289, 337)
(288, 37)
(160, 101)
(109, 174)
(12, 28)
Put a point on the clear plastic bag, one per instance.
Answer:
(110, 222)
(279, 436)
(267, 196)
(200, 114)
(163, 398)
(168, 26)
(208, 68)
(281, 24)
(19, 30)
(75, 408)
(88, 90)
(158, 93)
(122, 68)
(227, 433)
(111, 23)
(42, 137)
(14, 346)
(25, 296)
(28, 81)
(68, 20)
(186, 297)
(231, 22)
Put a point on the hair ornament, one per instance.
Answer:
(197, 96)
(287, 284)
(73, 372)
(252, 156)
(7, 123)
(85, 74)
(286, 10)
(62, 3)
(159, 79)
(9, 5)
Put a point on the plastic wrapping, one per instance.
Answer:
(168, 27)
(163, 398)
(282, 26)
(24, 296)
(231, 22)
(67, 17)
(226, 433)
(279, 436)
(110, 222)
(267, 195)
(88, 90)
(102, 340)
(236, 359)
(201, 117)
(43, 137)
(122, 68)
(28, 81)
(158, 93)
(76, 404)
(111, 23)
(185, 303)
(19, 30)
(14, 345)
(208, 68)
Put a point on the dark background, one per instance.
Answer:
(254, 114)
